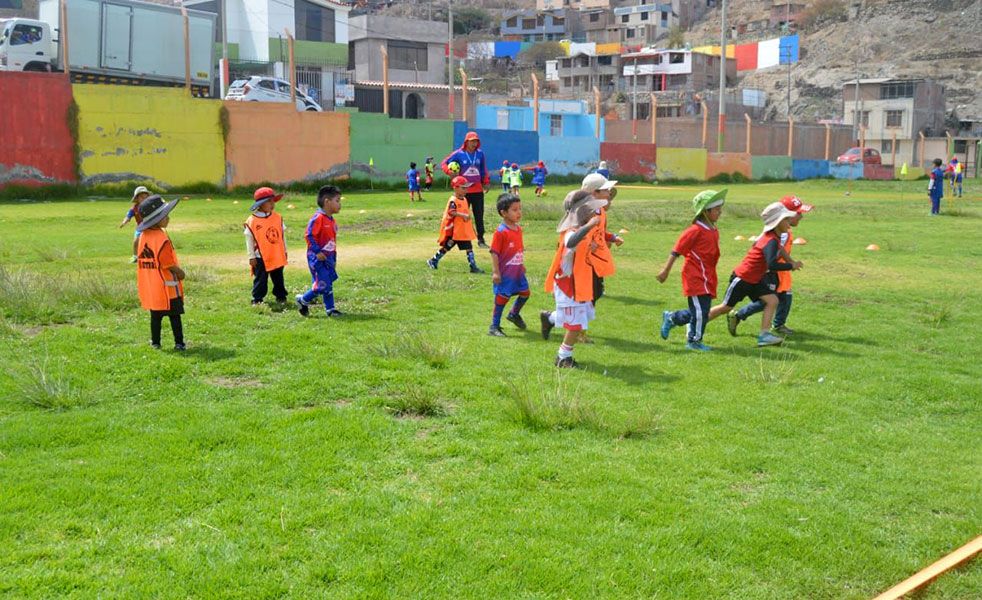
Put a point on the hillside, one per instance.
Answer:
(936, 39)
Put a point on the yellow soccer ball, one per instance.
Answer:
(544, 192)
(454, 167)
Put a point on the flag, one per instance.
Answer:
(746, 57)
(769, 53)
(903, 169)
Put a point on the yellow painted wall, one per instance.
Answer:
(148, 133)
(681, 163)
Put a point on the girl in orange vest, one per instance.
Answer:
(456, 228)
(158, 275)
(570, 277)
(266, 245)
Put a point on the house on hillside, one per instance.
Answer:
(643, 22)
(538, 26)
(784, 13)
(665, 70)
(579, 73)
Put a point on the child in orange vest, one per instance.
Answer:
(266, 245)
(139, 195)
(570, 277)
(456, 228)
(602, 259)
(158, 275)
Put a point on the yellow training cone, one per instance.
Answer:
(740, 238)
(623, 231)
(207, 199)
(799, 241)
(872, 247)
(290, 206)
(235, 201)
(409, 214)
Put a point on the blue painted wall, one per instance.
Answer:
(520, 118)
(809, 169)
(520, 147)
(846, 170)
(564, 155)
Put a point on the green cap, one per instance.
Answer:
(707, 199)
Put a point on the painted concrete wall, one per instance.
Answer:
(274, 142)
(392, 143)
(718, 163)
(681, 163)
(149, 134)
(881, 172)
(846, 170)
(564, 156)
(521, 118)
(37, 143)
(776, 167)
(637, 160)
(809, 169)
(520, 147)
(912, 173)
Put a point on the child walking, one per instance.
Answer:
(515, 179)
(784, 295)
(265, 235)
(140, 194)
(322, 252)
(539, 172)
(428, 170)
(508, 265)
(456, 228)
(935, 187)
(699, 245)
(158, 274)
(505, 173)
(412, 178)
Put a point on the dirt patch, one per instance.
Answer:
(235, 382)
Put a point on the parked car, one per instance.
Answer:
(872, 156)
(269, 89)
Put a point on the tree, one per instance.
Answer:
(538, 54)
(465, 18)
(676, 37)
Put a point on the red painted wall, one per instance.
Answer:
(877, 172)
(37, 146)
(629, 159)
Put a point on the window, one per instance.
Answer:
(268, 84)
(658, 59)
(313, 23)
(558, 21)
(567, 63)
(351, 57)
(895, 118)
(886, 146)
(625, 18)
(567, 82)
(594, 17)
(896, 89)
(676, 58)
(512, 22)
(556, 125)
(528, 23)
(604, 60)
(25, 34)
(863, 118)
(408, 56)
(644, 16)
(677, 80)
(629, 33)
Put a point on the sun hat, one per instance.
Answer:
(459, 181)
(153, 210)
(597, 182)
(795, 204)
(707, 199)
(602, 165)
(774, 214)
(140, 189)
(262, 195)
(581, 204)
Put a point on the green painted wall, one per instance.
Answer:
(777, 167)
(310, 52)
(392, 143)
(233, 50)
(680, 163)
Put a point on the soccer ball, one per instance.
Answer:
(454, 167)
(544, 192)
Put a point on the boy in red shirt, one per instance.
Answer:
(322, 252)
(508, 265)
(699, 244)
(756, 275)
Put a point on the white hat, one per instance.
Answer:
(140, 189)
(774, 213)
(580, 202)
(596, 182)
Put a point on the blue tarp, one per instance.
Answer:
(789, 49)
(502, 49)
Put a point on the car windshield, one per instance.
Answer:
(238, 83)
(852, 152)
(4, 32)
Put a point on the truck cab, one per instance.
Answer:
(26, 45)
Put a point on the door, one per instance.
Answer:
(117, 22)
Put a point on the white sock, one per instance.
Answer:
(552, 317)
(565, 351)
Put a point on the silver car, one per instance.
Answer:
(269, 89)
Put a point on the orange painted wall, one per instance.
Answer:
(728, 162)
(275, 143)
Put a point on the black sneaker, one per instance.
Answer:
(567, 363)
(256, 302)
(477, 270)
(155, 345)
(334, 313)
(546, 325)
(481, 244)
(180, 347)
(496, 332)
(432, 264)
(302, 306)
(517, 320)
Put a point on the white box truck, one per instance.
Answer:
(113, 41)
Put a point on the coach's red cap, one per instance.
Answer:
(794, 203)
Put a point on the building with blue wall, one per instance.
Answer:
(557, 118)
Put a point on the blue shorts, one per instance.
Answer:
(322, 273)
(413, 188)
(511, 287)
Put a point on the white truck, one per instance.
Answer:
(113, 41)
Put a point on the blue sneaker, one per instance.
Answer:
(666, 324)
(697, 346)
(769, 339)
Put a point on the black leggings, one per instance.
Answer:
(174, 314)
(476, 202)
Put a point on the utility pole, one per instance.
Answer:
(450, 57)
(721, 129)
(224, 71)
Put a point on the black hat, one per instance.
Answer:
(153, 210)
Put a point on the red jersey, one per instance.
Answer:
(699, 244)
(761, 257)
(507, 244)
(321, 234)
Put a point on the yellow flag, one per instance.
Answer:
(903, 169)
(371, 161)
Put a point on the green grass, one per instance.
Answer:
(401, 452)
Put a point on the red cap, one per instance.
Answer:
(471, 135)
(795, 204)
(265, 193)
(459, 181)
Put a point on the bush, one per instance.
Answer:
(821, 12)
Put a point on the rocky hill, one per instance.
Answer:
(937, 39)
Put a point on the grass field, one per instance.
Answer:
(401, 452)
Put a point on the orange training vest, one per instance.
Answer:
(268, 232)
(784, 277)
(456, 228)
(601, 258)
(156, 286)
(582, 270)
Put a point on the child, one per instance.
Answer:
(784, 297)
(515, 179)
(428, 169)
(322, 252)
(603, 170)
(699, 244)
(456, 228)
(955, 174)
(601, 258)
(935, 187)
(140, 194)
(570, 277)
(505, 173)
(158, 274)
(412, 178)
(539, 173)
(508, 265)
(754, 276)
(265, 235)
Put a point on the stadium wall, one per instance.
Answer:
(809, 169)
(390, 144)
(520, 147)
(879, 172)
(775, 167)
(728, 163)
(846, 170)
(629, 159)
(681, 163)
(564, 156)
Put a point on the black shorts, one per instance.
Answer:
(464, 245)
(176, 308)
(739, 289)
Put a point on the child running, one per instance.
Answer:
(140, 194)
(508, 265)
(699, 244)
(428, 170)
(505, 173)
(456, 228)
(515, 179)
(158, 274)
(322, 252)
(412, 178)
(539, 172)
(784, 297)
(265, 235)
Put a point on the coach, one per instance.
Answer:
(471, 165)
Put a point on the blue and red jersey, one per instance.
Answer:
(321, 236)
(507, 244)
